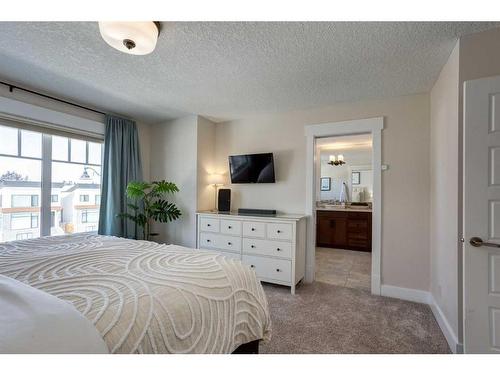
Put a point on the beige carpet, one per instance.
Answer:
(324, 318)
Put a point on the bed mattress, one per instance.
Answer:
(144, 297)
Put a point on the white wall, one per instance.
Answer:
(174, 158)
(182, 151)
(405, 186)
(206, 164)
(444, 213)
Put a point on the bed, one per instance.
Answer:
(144, 297)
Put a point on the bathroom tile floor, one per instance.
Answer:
(348, 268)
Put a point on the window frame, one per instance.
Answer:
(32, 216)
(33, 198)
(44, 199)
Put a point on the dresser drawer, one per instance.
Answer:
(270, 268)
(279, 231)
(223, 253)
(229, 255)
(232, 227)
(266, 247)
(209, 224)
(219, 241)
(229, 243)
(254, 229)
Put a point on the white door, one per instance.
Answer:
(482, 216)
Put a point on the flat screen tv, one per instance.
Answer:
(252, 169)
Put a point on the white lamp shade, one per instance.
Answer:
(143, 34)
(215, 179)
(340, 157)
(332, 157)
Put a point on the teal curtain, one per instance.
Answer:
(121, 164)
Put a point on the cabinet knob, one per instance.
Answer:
(253, 229)
(208, 225)
(278, 270)
(278, 249)
(229, 243)
(252, 246)
(252, 266)
(278, 231)
(229, 227)
(208, 240)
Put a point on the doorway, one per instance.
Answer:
(344, 197)
(314, 133)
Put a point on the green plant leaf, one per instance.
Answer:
(137, 189)
(133, 206)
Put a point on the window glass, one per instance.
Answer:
(23, 220)
(24, 200)
(72, 177)
(31, 144)
(95, 153)
(8, 140)
(78, 151)
(59, 148)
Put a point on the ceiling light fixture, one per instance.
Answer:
(135, 38)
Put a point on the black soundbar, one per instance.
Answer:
(256, 212)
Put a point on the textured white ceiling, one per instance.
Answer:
(226, 70)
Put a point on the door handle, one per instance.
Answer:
(478, 242)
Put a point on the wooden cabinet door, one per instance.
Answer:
(339, 232)
(331, 230)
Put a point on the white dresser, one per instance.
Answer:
(273, 246)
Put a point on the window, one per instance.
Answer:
(22, 220)
(24, 201)
(97, 200)
(76, 170)
(24, 236)
(84, 198)
(89, 216)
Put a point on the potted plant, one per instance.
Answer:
(150, 204)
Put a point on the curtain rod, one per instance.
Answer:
(12, 87)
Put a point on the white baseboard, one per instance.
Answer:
(414, 295)
(422, 296)
(445, 326)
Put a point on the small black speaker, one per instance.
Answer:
(224, 204)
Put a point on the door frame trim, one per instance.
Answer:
(374, 127)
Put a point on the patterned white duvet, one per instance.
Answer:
(144, 297)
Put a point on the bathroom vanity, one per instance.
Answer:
(344, 228)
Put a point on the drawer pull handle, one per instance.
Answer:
(253, 229)
(208, 225)
(229, 243)
(278, 270)
(229, 227)
(208, 241)
(278, 249)
(252, 246)
(278, 231)
(252, 266)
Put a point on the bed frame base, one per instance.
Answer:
(251, 347)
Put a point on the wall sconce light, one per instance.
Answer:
(336, 160)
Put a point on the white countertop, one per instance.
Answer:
(236, 215)
(344, 209)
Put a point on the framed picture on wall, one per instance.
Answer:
(356, 178)
(326, 183)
